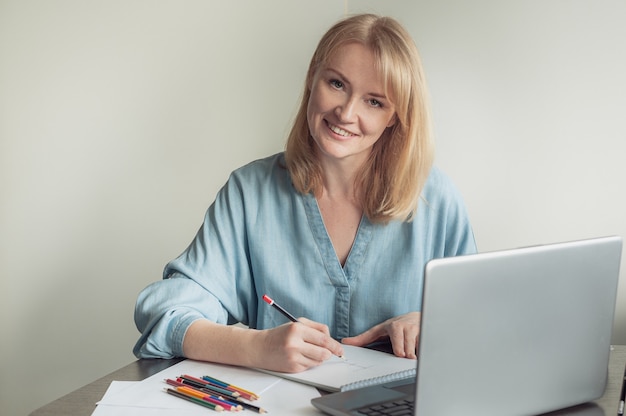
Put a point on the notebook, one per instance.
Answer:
(361, 367)
(513, 332)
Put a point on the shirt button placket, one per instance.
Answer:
(342, 306)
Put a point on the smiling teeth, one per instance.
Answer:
(339, 131)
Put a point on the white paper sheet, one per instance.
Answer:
(278, 396)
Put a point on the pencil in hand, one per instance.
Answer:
(279, 308)
(289, 316)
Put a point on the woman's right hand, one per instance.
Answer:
(288, 348)
(296, 346)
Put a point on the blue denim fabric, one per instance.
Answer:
(260, 237)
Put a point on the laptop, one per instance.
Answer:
(514, 332)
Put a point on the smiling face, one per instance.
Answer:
(348, 111)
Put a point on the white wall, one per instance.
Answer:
(119, 120)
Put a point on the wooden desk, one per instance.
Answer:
(82, 401)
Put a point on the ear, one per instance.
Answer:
(393, 120)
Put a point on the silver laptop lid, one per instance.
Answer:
(521, 331)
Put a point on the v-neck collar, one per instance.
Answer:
(339, 275)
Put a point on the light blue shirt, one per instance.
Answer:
(261, 236)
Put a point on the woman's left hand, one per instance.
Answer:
(403, 331)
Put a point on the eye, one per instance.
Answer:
(375, 103)
(336, 83)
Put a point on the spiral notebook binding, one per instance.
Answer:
(379, 380)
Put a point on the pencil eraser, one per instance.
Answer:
(268, 299)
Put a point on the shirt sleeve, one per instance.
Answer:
(459, 234)
(452, 218)
(211, 279)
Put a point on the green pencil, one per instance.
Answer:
(195, 400)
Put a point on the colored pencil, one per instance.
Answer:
(182, 383)
(203, 384)
(252, 407)
(227, 402)
(233, 405)
(231, 387)
(195, 400)
(211, 399)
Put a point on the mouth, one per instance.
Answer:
(338, 130)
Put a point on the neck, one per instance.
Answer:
(339, 179)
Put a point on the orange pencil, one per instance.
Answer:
(203, 396)
(195, 400)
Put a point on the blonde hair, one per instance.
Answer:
(392, 178)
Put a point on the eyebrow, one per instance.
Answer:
(373, 94)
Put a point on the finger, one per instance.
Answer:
(331, 345)
(296, 352)
(315, 325)
(359, 340)
(365, 338)
(397, 343)
(411, 340)
(409, 345)
(318, 335)
(303, 362)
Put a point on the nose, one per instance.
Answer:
(347, 110)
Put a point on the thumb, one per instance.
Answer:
(362, 339)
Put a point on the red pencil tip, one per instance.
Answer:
(268, 299)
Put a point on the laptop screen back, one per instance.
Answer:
(521, 331)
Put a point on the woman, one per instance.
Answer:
(337, 229)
